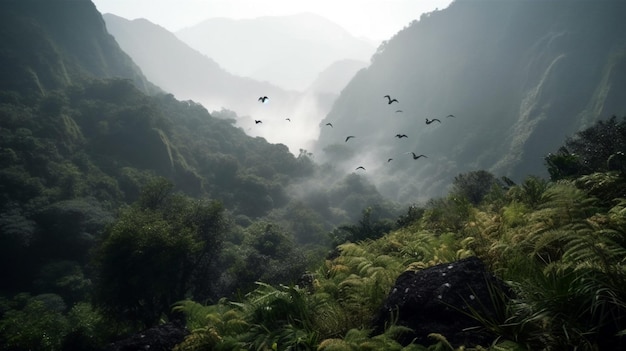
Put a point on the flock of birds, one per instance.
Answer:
(390, 101)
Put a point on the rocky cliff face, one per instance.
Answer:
(519, 77)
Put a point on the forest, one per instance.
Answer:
(121, 211)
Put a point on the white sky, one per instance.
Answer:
(373, 19)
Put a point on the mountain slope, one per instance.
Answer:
(51, 44)
(188, 74)
(518, 76)
(185, 72)
(286, 50)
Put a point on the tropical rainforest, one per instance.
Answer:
(122, 208)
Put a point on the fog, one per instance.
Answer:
(506, 78)
(188, 74)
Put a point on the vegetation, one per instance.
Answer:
(119, 210)
(558, 245)
(111, 214)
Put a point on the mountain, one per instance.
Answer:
(518, 77)
(336, 76)
(188, 74)
(185, 72)
(83, 133)
(289, 51)
(52, 44)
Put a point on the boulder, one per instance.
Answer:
(436, 300)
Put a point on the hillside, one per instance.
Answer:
(82, 143)
(288, 51)
(190, 75)
(53, 44)
(185, 72)
(518, 77)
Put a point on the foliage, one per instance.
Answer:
(153, 253)
(81, 201)
(370, 226)
(598, 148)
(474, 185)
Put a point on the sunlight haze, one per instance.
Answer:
(372, 19)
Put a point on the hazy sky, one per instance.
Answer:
(373, 19)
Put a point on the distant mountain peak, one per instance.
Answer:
(289, 51)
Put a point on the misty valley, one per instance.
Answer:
(459, 186)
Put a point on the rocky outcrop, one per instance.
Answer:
(438, 299)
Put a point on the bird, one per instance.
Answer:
(256, 121)
(329, 124)
(415, 157)
(263, 98)
(400, 136)
(451, 116)
(348, 138)
(390, 100)
(389, 160)
(360, 167)
(429, 121)
(398, 111)
(288, 119)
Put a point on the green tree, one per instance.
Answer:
(153, 254)
(474, 185)
(594, 149)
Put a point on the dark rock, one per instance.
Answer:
(434, 300)
(159, 338)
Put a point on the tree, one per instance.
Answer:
(474, 185)
(594, 149)
(151, 256)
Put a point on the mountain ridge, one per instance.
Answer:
(519, 77)
(275, 42)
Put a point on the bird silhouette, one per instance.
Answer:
(400, 136)
(429, 121)
(256, 121)
(263, 98)
(451, 116)
(360, 167)
(390, 100)
(398, 111)
(415, 157)
(288, 119)
(348, 138)
(389, 160)
(329, 124)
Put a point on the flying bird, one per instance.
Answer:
(429, 121)
(263, 98)
(348, 138)
(451, 116)
(398, 111)
(389, 160)
(329, 124)
(400, 136)
(360, 167)
(256, 121)
(390, 100)
(415, 157)
(288, 119)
